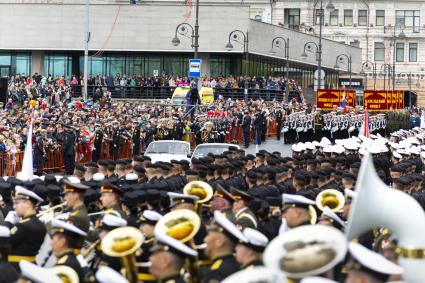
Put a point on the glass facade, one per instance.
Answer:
(15, 63)
(137, 64)
(58, 65)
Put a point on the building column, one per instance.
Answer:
(205, 67)
(37, 62)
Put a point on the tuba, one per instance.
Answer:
(400, 213)
(123, 242)
(182, 225)
(66, 274)
(331, 198)
(306, 251)
(200, 189)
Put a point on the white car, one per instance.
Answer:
(168, 150)
(202, 150)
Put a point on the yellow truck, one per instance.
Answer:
(179, 95)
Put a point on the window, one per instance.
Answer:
(256, 14)
(333, 18)
(58, 65)
(292, 18)
(413, 52)
(317, 14)
(380, 17)
(355, 43)
(348, 17)
(407, 18)
(379, 51)
(362, 18)
(399, 52)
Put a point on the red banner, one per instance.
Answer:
(327, 98)
(381, 100)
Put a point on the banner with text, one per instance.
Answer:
(381, 100)
(327, 98)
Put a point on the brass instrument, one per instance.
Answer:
(86, 252)
(200, 189)
(123, 242)
(331, 198)
(66, 274)
(182, 225)
(62, 206)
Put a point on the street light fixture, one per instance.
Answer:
(366, 65)
(282, 43)
(309, 47)
(344, 58)
(235, 35)
(175, 41)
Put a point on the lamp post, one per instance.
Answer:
(309, 47)
(86, 48)
(181, 29)
(400, 36)
(330, 8)
(386, 70)
(366, 66)
(409, 82)
(342, 58)
(283, 43)
(235, 35)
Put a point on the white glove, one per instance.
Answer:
(12, 217)
(82, 261)
(47, 217)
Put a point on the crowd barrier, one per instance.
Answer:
(152, 92)
(10, 163)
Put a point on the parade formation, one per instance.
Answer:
(326, 213)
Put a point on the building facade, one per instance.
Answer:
(47, 36)
(390, 34)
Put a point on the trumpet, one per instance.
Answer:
(86, 252)
(62, 206)
(331, 198)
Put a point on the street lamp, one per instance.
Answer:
(318, 50)
(283, 43)
(366, 66)
(401, 35)
(344, 58)
(386, 69)
(235, 36)
(330, 8)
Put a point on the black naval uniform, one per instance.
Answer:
(8, 273)
(143, 257)
(171, 279)
(221, 268)
(98, 139)
(26, 238)
(68, 258)
(246, 127)
(115, 143)
(136, 141)
(279, 121)
(69, 151)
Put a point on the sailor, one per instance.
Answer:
(27, 234)
(221, 241)
(249, 251)
(74, 197)
(298, 210)
(167, 259)
(369, 267)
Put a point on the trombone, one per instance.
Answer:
(62, 206)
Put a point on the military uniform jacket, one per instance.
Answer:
(79, 217)
(246, 218)
(142, 256)
(26, 238)
(69, 259)
(172, 279)
(221, 268)
(8, 273)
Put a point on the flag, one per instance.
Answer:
(27, 164)
(344, 103)
(422, 119)
(364, 130)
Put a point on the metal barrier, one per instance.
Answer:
(152, 92)
(10, 163)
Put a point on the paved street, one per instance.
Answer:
(271, 145)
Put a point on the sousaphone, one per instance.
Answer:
(306, 251)
(123, 242)
(331, 198)
(182, 224)
(200, 189)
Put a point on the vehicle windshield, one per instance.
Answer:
(179, 100)
(203, 150)
(168, 147)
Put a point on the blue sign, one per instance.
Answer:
(195, 68)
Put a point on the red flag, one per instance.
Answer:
(366, 132)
